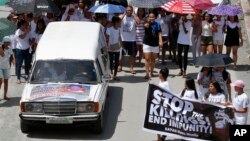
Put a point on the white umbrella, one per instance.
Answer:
(147, 3)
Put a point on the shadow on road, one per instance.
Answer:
(13, 101)
(130, 79)
(171, 140)
(240, 67)
(192, 75)
(113, 109)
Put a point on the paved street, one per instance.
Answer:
(124, 110)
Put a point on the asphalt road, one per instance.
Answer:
(124, 112)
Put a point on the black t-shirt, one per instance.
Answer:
(151, 36)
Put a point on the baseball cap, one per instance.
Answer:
(6, 39)
(238, 83)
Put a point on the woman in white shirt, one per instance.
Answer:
(114, 42)
(163, 76)
(140, 32)
(183, 43)
(204, 78)
(218, 34)
(189, 92)
(215, 94)
(206, 34)
(6, 55)
(222, 76)
(40, 28)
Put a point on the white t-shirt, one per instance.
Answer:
(219, 35)
(219, 78)
(114, 35)
(216, 98)
(85, 19)
(47, 20)
(33, 26)
(4, 60)
(189, 94)
(203, 88)
(163, 21)
(79, 13)
(128, 29)
(22, 44)
(239, 102)
(206, 29)
(165, 85)
(37, 37)
(13, 41)
(184, 38)
(73, 17)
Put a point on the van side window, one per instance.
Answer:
(105, 61)
(99, 67)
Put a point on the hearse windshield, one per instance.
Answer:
(64, 71)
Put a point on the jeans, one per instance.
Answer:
(182, 47)
(196, 47)
(23, 55)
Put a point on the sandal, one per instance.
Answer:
(180, 73)
(152, 75)
(184, 74)
(6, 98)
(146, 77)
(235, 67)
(132, 72)
(18, 81)
(119, 69)
(117, 79)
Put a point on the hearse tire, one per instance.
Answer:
(98, 125)
(25, 128)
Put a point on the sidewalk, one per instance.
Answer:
(245, 4)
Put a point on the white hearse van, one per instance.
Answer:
(68, 83)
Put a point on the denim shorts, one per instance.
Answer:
(5, 73)
(205, 41)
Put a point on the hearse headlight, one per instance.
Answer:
(33, 107)
(85, 107)
(90, 107)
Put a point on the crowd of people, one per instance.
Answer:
(144, 34)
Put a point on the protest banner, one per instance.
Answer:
(168, 114)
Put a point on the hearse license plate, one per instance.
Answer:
(59, 120)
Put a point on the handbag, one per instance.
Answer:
(114, 47)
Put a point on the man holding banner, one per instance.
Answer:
(168, 114)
